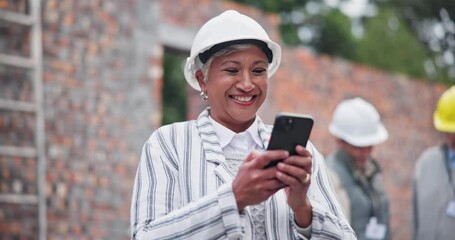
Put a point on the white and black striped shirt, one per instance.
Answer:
(183, 190)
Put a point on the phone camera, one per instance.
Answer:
(287, 124)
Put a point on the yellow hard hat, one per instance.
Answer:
(444, 116)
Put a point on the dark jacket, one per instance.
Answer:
(366, 193)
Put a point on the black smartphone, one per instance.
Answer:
(289, 130)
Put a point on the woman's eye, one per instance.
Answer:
(231, 70)
(259, 71)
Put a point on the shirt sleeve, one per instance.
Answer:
(329, 221)
(304, 233)
(156, 207)
(341, 192)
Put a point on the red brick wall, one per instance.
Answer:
(101, 102)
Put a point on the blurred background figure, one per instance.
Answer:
(433, 183)
(356, 175)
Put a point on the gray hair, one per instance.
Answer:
(225, 51)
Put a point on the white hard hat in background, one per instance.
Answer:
(226, 27)
(358, 123)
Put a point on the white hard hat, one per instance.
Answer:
(223, 30)
(358, 123)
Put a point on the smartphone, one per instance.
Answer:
(289, 130)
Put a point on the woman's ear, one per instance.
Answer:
(200, 79)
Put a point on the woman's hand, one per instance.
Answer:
(254, 183)
(295, 172)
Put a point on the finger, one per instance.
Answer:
(291, 180)
(263, 175)
(292, 170)
(300, 162)
(302, 151)
(303, 159)
(273, 184)
(271, 155)
(288, 180)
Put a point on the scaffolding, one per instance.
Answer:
(32, 63)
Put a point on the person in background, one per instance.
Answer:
(357, 127)
(206, 178)
(433, 197)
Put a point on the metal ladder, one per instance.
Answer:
(33, 63)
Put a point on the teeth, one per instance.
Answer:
(243, 99)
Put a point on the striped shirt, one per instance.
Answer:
(183, 190)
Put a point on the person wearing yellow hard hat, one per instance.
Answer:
(207, 178)
(433, 196)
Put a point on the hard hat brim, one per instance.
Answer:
(376, 138)
(441, 125)
(190, 68)
(205, 56)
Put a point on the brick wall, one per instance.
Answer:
(102, 100)
(102, 84)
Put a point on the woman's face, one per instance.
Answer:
(236, 86)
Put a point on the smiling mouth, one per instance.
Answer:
(243, 99)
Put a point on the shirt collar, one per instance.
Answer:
(225, 134)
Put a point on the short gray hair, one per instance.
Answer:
(225, 51)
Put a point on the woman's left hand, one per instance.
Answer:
(295, 172)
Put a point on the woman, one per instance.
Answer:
(205, 179)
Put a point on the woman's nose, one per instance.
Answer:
(245, 83)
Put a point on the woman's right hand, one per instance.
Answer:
(254, 183)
